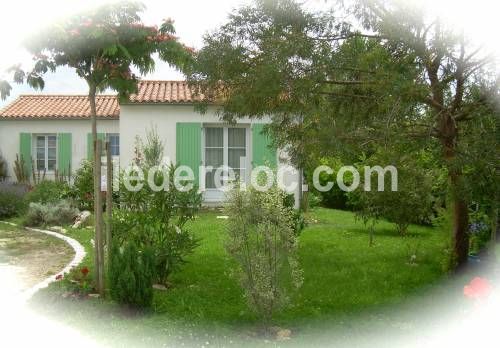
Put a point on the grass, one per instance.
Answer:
(343, 278)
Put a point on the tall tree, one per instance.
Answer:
(350, 80)
(102, 46)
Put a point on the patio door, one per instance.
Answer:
(224, 147)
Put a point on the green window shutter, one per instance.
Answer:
(25, 151)
(90, 149)
(188, 146)
(262, 151)
(64, 148)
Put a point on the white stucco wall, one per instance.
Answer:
(10, 138)
(136, 120)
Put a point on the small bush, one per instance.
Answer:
(47, 191)
(334, 198)
(298, 218)
(59, 213)
(131, 275)
(83, 186)
(262, 240)
(12, 200)
(3, 169)
(10, 205)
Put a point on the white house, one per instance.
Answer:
(54, 131)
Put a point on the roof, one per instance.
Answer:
(77, 106)
(176, 92)
(60, 106)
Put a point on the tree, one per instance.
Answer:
(102, 45)
(389, 74)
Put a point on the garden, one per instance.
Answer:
(163, 269)
(253, 271)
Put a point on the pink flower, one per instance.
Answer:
(478, 288)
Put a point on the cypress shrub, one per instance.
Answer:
(131, 275)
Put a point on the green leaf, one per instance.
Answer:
(124, 51)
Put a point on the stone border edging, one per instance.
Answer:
(77, 259)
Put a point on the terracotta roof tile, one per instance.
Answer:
(164, 92)
(60, 106)
(77, 106)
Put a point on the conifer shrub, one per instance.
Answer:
(131, 275)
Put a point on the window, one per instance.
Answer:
(224, 146)
(114, 143)
(46, 152)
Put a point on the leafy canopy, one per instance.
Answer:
(102, 45)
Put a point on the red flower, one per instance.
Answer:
(478, 288)
(59, 277)
(84, 271)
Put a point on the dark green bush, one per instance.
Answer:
(158, 219)
(83, 186)
(10, 205)
(334, 198)
(47, 191)
(131, 275)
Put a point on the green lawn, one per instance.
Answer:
(343, 278)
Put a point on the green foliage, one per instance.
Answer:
(102, 45)
(157, 218)
(262, 240)
(299, 223)
(47, 191)
(168, 239)
(379, 72)
(46, 214)
(152, 150)
(479, 231)
(131, 275)
(12, 200)
(335, 197)
(3, 168)
(412, 202)
(83, 186)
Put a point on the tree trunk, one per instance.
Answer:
(448, 134)
(460, 208)
(99, 259)
(109, 196)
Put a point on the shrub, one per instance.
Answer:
(12, 200)
(3, 169)
(10, 205)
(59, 213)
(47, 191)
(262, 240)
(157, 219)
(479, 231)
(334, 198)
(131, 275)
(298, 218)
(411, 203)
(83, 186)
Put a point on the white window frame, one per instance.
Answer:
(225, 147)
(46, 151)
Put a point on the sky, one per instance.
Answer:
(193, 18)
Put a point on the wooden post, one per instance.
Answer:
(98, 223)
(109, 195)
